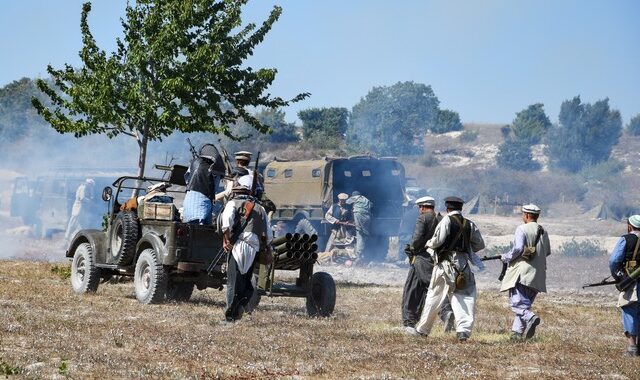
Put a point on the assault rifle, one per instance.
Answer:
(227, 162)
(622, 285)
(504, 265)
(193, 150)
(254, 183)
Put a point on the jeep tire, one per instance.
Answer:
(321, 299)
(125, 233)
(149, 278)
(85, 276)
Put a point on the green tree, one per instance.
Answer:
(179, 67)
(531, 124)
(516, 154)
(392, 120)
(281, 131)
(320, 124)
(18, 119)
(585, 136)
(446, 121)
(633, 128)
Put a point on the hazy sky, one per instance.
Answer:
(484, 59)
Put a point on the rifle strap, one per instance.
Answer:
(538, 236)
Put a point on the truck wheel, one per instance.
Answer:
(149, 279)
(85, 276)
(179, 291)
(124, 237)
(321, 300)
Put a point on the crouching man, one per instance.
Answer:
(244, 227)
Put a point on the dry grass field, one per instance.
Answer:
(46, 331)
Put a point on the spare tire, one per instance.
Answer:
(125, 233)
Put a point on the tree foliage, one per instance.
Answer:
(179, 67)
(516, 154)
(531, 124)
(633, 128)
(392, 120)
(18, 119)
(585, 136)
(324, 126)
(446, 121)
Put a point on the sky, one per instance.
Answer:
(485, 59)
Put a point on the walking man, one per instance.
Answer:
(453, 247)
(526, 272)
(623, 260)
(419, 277)
(362, 217)
(340, 216)
(80, 212)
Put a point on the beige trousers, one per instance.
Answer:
(463, 301)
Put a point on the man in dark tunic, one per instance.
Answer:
(417, 284)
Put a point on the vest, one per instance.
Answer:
(256, 220)
(462, 244)
(202, 180)
(630, 245)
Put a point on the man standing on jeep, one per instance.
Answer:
(245, 234)
(202, 179)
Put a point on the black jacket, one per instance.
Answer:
(425, 227)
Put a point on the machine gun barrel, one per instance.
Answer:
(601, 283)
(487, 258)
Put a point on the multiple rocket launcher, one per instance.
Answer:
(291, 251)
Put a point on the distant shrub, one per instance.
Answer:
(633, 128)
(586, 248)
(505, 130)
(602, 171)
(469, 136)
(428, 159)
(516, 154)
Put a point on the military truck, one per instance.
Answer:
(304, 190)
(168, 258)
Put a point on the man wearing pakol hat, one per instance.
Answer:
(243, 158)
(453, 247)
(623, 260)
(362, 218)
(419, 277)
(526, 272)
(340, 217)
(245, 233)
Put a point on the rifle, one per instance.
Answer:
(623, 284)
(227, 162)
(504, 265)
(193, 150)
(254, 183)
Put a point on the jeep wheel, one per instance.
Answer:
(85, 276)
(149, 279)
(321, 300)
(124, 237)
(179, 291)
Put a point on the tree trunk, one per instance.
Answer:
(142, 157)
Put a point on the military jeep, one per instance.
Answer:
(168, 258)
(304, 190)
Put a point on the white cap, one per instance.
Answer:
(634, 220)
(90, 181)
(531, 209)
(343, 196)
(426, 201)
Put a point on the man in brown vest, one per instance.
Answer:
(526, 272)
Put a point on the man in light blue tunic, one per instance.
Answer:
(526, 272)
(623, 260)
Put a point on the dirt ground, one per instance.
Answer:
(46, 331)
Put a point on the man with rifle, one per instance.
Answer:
(419, 276)
(623, 262)
(242, 168)
(453, 247)
(245, 233)
(526, 272)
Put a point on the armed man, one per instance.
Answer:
(245, 233)
(623, 261)
(453, 247)
(243, 158)
(362, 217)
(419, 277)
(526, 272)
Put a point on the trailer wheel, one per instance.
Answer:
(149, 279)
(85, 276)
(124, 237)
(179, 291)
(321, 299)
